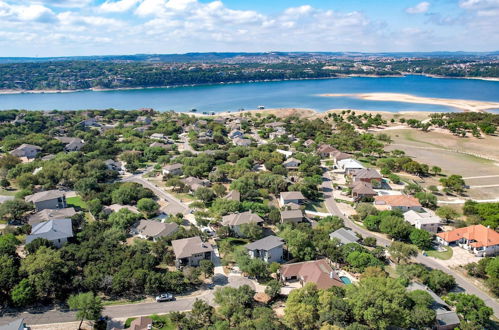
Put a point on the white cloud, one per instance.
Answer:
(33, 12)
(62, 3)
(420, 8)
(118, 6)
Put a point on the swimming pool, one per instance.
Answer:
(345, 280)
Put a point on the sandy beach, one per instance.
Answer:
(465, 105)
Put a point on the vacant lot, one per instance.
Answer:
(477, 160)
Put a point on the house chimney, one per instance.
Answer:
(331, 274)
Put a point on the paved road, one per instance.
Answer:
(176, 204)
(462, 282)
(130, 310)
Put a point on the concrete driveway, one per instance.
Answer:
(460, 257)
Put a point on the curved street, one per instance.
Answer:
(462, 282)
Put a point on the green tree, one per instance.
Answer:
(421, 238)
(379, 302)
(8, 244)
(251, 231)
(14, 210)
(454, 183)
(206, 195)
(87, 306)
(273, 288)
(206, 267)
(148, 206)
(471, 309)
(402, 252)
(23, 294)
(447, 213)
(427, 199)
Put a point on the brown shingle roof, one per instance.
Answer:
(184, 248)
(236, 219)
(317, 271)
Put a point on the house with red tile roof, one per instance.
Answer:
(397, 202)
(478, 239)
(319, 272)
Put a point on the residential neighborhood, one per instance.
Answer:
(189, 207)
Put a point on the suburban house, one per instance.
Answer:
(428, 221)
(326, 151)
(345, 236)
(112, 165)
(167, 147)
(158, 136)
(50, 199)
(56, 231)
(478, 239)
(194, 183)
(286, 153)
(233, 195)
(150, 229)
(17, 324)
(446, 318)
(144, 119)
(268, 249)
(71, 143)
(235, 134)
(90, 122)
(397, 202)
(172, 169)
(288, 197)
(190, 251)
(291, 163)
(362, 190)
(349, 165)
(319, 272)
(241, 142)
(366, 175)
(308, 143)
(26, 150)
(117, 207)
(141, 323)
(338, 155)
(235, 220)
(291, 216)
(49, 214)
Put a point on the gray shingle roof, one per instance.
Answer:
(151, 228)
(292, 195)
(266, 243)
(51, 230)
(445, 316)
(44, 196)
(345, 236)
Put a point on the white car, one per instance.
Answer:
(165, 297)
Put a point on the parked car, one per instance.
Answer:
(165, 297)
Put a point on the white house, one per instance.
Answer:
(288, 197)
(268, 249)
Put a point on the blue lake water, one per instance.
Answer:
(282, 94)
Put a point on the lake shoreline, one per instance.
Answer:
(461, 104)
(339, 76)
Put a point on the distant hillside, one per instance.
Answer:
(217, 57)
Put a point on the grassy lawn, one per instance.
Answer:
(161, 322)
(76, 202)
(317, 206)
(445, 255)
(228, 244)
(10, 192)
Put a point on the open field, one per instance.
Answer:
(466, 105)
(451, 154)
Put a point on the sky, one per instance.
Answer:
(40, 28)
